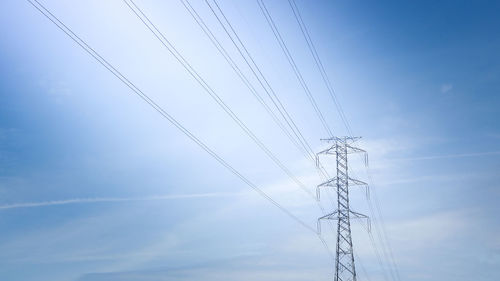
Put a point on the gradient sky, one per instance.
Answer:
(95, 185)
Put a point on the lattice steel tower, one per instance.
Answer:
(345, 269)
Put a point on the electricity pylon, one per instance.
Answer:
(345, 269)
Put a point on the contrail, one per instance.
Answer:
(460, 155)
(112, 199)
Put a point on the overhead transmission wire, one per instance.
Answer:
(383, 235)
(372, 240)
(201, 23)
(362, 268)
(160, 36)
(221, 49)
(332, 93)
(243, 51)
(298, 74)
(289, 57)
(256, 71)
(319, 63)
(296, 70)
(219, 46)
(259, 76)
(300, 78)
(377, 253)
(340, 110)
(166, 43)
(294, 66)
(199, 20)
(102, 61)
(208, 32)
(304, 85)
(234, 66)
(291, 61)
(209, 90)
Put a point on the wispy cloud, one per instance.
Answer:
(446, 87)
(113, 199)
(458, 155)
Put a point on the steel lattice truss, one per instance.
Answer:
(345, 269)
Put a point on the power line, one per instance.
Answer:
(289, 57)
(383, 240)
(220, 48)
(294, 66)
(243, 51)
(253, 65)
(44, 11)
(297, 72)
(319, 64)
(234, 66)
(241, 75)
(201, 23)
(378, 237)
(194, 74)
(384, 231)
(260, 77)
(162, 112)
(163, 37)
(362, 267)
(332, 93)
(377, 253)
(382, 245)
(199, 20)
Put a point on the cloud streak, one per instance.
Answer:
(113, 199)
(446, 88)
(447, 156)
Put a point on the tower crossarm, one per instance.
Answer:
(342, 139)
(356, 215)
(333, 149)
(331, 216)
(353, 149)
(333, 183)
(356, 182)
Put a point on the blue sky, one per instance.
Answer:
(95, 185)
